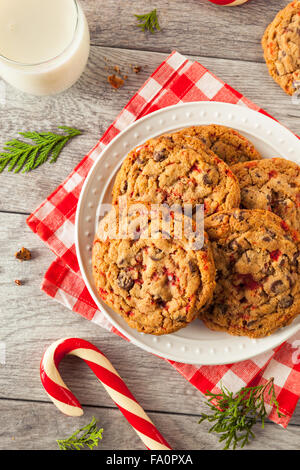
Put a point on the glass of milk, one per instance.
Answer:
(44, 44)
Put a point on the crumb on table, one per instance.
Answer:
(23, 254)
(115, 81)
(136, 68)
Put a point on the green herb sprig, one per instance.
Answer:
(18, 155)
(234, 415)
(148, 21)
(89, 438)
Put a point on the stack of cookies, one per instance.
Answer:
(244, 278)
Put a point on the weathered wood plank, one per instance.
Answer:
(29, 425)
(30, 321)
(92, 105)
(193, 26)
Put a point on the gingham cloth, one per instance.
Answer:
(176, 80)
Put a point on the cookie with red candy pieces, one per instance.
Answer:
(157, 284)
(258, 273)
(177, 169)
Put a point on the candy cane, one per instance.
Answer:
(66, 402)
(228, 3)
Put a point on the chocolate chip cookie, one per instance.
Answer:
(155, 282)
(257, 260)
(281, 45)
(228, 144)
(177, 171)
(271, 184)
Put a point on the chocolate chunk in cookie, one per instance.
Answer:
(125, 281)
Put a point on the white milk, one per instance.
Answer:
(44, 44)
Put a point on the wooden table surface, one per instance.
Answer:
(227, 41)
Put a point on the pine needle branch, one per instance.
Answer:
(18, 155)
(88, 436)
(148, 21)
(233, 416)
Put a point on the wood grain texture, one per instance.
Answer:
(38, 425)
(29, 320)
(91, 105)
(190, 26)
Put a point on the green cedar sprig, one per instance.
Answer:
(18, 155)
(88, 436)
(148, 21)
(234, 415)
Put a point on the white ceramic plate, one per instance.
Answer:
(195, 344)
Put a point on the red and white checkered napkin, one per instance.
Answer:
(176, 80)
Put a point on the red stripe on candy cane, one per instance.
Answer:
(110, 379)
(66, 402)
(58, 392)
(228, 3)
(68, 345)
(140, 425)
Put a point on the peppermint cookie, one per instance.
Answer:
(180, 171)
(281, 45)
(156, 283)
(228, 144)
(257, 260)
(272, 185)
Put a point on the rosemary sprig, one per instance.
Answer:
(234, 415)
(148, 21)
(18, 155)
(90, 438)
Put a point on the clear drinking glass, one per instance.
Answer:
(56, 74)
